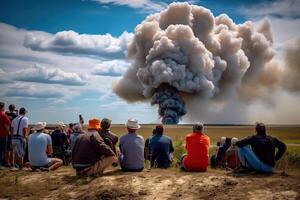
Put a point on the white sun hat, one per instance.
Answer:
(61, 124)
(39, 126)
(132, 124)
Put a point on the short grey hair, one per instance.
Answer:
(198, 127)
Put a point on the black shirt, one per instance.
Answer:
(264, 147)
(59, 139)
(11, 115)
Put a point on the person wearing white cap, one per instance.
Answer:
(39, 148)
(132, 148)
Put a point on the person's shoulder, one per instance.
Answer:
(139, 136)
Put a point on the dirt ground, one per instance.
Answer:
(149, 184)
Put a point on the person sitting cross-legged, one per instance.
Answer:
(197, 145)
(40, 148)
(90, 155)
(261, 156)
(161, 149)
(132, 148)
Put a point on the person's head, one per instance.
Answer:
(71, 125)
(105, 123)
(228, 141)
(2, 106)
(39, 126)
(159, 129)
(77, 128)
(198, 127)
(260, 128)
(22, 111)
(60, 126)
(132, 125)
(233, 141)
(11, 107)
(94, 124)
(154, 131)
(222, 141)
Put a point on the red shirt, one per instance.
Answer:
(197, 145)
(4, 124)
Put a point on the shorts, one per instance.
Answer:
(9, 145)
(49, 160)
(19, 146)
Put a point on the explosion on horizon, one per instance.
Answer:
(184, 56)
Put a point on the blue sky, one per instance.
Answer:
(56, 83)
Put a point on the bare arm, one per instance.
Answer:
(49, 150)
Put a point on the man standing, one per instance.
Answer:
(132, 148)
(12, 114)
(19, 128)
(39, 148)
(197, 145)
(4, 133)
(261, 157)
(90, 155)
(161, 149)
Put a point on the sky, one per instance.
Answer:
(60, 58)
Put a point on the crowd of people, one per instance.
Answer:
(94, 150)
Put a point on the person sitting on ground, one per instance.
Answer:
(231, 156)
(132, 148)
(60, 143)
(70, 130)
(19, 129)
(213, 162)
(90, 155)
(147, 153)
(261, 157)
(12, 113)
(4, 133)
(224, 146)
(40, 148)
(161, 149)
(77, 132)
(109, 137)
(197, 146)
(59, 137)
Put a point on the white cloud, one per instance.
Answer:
(41, 74)
(111, 68)
(279, 8)
(145, 5)
(72, 43)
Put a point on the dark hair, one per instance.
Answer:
(159, 129)
(71, 125)
(154, 131)
(260, 128)
(22, 111)
(11, 107)
(2, 105)
(218, 144)
(228, 140)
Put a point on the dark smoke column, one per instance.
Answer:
(171, 105)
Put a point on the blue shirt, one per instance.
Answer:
(160, 148)
(132, 149)
(37, 148)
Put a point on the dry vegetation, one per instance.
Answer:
(165, 184)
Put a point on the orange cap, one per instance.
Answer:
(94, 124)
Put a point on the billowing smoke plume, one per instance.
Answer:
(185, 54)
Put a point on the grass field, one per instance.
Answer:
(288, 134)
(166, 183)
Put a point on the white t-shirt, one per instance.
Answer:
(23, 124)
(37, 147)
